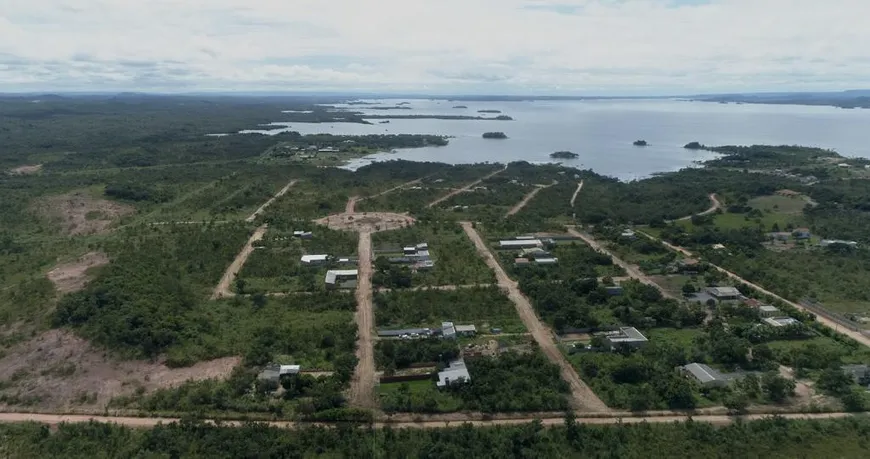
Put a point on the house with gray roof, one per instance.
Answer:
(455, 373)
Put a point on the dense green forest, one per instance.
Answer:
(773, 438)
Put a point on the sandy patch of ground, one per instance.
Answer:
(369, 222)
(72, 276)
(26, 169)
(60, 371)
(79, 213)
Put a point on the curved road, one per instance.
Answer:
(715, 205)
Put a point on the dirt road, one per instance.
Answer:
(54, 419)
(362, 386)
(857, 336)
(576, 192)
(582, 396)
(398, 187)
(465, 188)
(632, 270)
(350, 207)
(268, 203)
(715, 205)
(528, 198)
(223, 287)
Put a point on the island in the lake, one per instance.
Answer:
(460, 106)
(494, 135)
(564, 155)
(489, 111)
(694, 146)
(640, 143)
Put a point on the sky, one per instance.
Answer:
(570, 47)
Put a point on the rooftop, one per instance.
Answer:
(626, 335)
(723, 291)
(334, 274)
(465, 329)
(780, 321)
(455, 372)
(703, 373)
(768, 308)
(521, 243)
(314, 258)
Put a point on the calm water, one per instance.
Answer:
(602, 132)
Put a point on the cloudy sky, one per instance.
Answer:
(451, 46)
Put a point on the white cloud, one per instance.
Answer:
(496, 46)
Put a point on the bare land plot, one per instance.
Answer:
(80, 213)
(26, 169)
(60, 371)
(72, 276)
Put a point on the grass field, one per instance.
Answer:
(778, 204)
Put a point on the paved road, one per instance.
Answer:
(362, 386)
(223, 287)
(857, 336)
(632, 270)
(528, 197)
(582, 396)
(54, 419)
(715, 205)
(268, 203)
(465, 188)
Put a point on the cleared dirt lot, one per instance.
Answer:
(72, 276)
(59, 371)
(26, 169)
(79, 213)
(368, 222)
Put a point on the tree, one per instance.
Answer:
(835, 381)
(689, 288)
(736, 402)
(776, 387)
(241, 284)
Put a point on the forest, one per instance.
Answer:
(772, 438)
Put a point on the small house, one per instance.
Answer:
(802, 233)
(520, 243)
(521, 262)
(343, 278)
(466, 330)
(546, 261)
(704, 375)
(724, 293)
(614, 290)
(767, 310)
(448, 330)
(688, 265)
(314, 259)
(781, 321)
(274, 372)
(303, 234)
(453, 374)
(625, 336)
(628, 234)
(859, 373)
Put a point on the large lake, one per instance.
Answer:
(602, 131)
